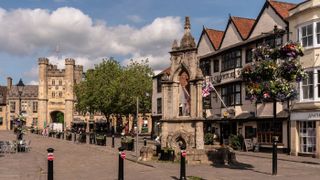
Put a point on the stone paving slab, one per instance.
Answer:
(75, 161)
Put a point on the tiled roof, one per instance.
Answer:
(215, 37)
(28, 91)
(282, 8)
(166, 71)
(244, 25)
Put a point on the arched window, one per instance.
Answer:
(184, 95)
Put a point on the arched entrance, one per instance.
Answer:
(57, 117)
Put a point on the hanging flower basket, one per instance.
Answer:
(274, 73)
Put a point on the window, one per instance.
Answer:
(249, 55)
(1, 120)
(60, 82)
(158, 84)
(53, 82)
(53, 94)
(231, 94)
(12, 107)
(0, 109)
(307, 136)
(34, 122)
(216, 66)
(307, 86)
(35, 106)
(265, 131)
(159, 106)
(318, 32)
(309, 35)
(60, 94)
(231, 60)
(24, 106)
(250, 132)
(205, 67)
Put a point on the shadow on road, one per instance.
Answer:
(239, 166)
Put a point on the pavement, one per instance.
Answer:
(74, 161)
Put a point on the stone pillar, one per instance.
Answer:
(199, 99)
(43, 93)
(164, 134)
(69, 94)
(175, 100)
(199, 135)
(318, 139)
(193, 102)
(294, 138)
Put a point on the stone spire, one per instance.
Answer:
(175, 45)
(187, 40)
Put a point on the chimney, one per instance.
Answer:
(9, 83)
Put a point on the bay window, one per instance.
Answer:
(231, 60)
(231, 94)
(309, 34)
(310, 87)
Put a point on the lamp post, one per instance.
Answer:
(20, 87)
(273, 77)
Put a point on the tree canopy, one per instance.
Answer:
(110, 88)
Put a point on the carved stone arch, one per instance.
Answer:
(179, 70)
(180, 137)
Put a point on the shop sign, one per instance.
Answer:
(303, 116)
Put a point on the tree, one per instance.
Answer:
(99, 91)
(136, 83)
(110, 88)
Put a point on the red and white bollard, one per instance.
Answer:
(50, 163)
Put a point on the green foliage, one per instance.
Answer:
(127, 139)
(208, 139)
(235, 141)
(274, 72)
(60, 117)
(110, 88)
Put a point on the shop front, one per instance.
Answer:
(305, 132)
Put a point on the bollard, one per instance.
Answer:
(274, 156)
(183, 162)
(122, 156)
(112, 141)
(144, 141)
(50, 163)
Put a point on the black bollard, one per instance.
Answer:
(112, 141)
(183, 162)
(50, 163)
(144, 141)
(122, 156)
(274, 156)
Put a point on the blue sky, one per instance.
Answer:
(89, 30)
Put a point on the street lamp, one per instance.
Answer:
(20, 87)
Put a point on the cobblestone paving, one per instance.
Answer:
(89, 162)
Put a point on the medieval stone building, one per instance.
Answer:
(56, 91)
(182, 121)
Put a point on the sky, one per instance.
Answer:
(91, 30)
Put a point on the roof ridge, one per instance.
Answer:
(283, 2)
(214, 29)
(243, 17)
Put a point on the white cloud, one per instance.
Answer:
(37, 32)
(33, 82)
